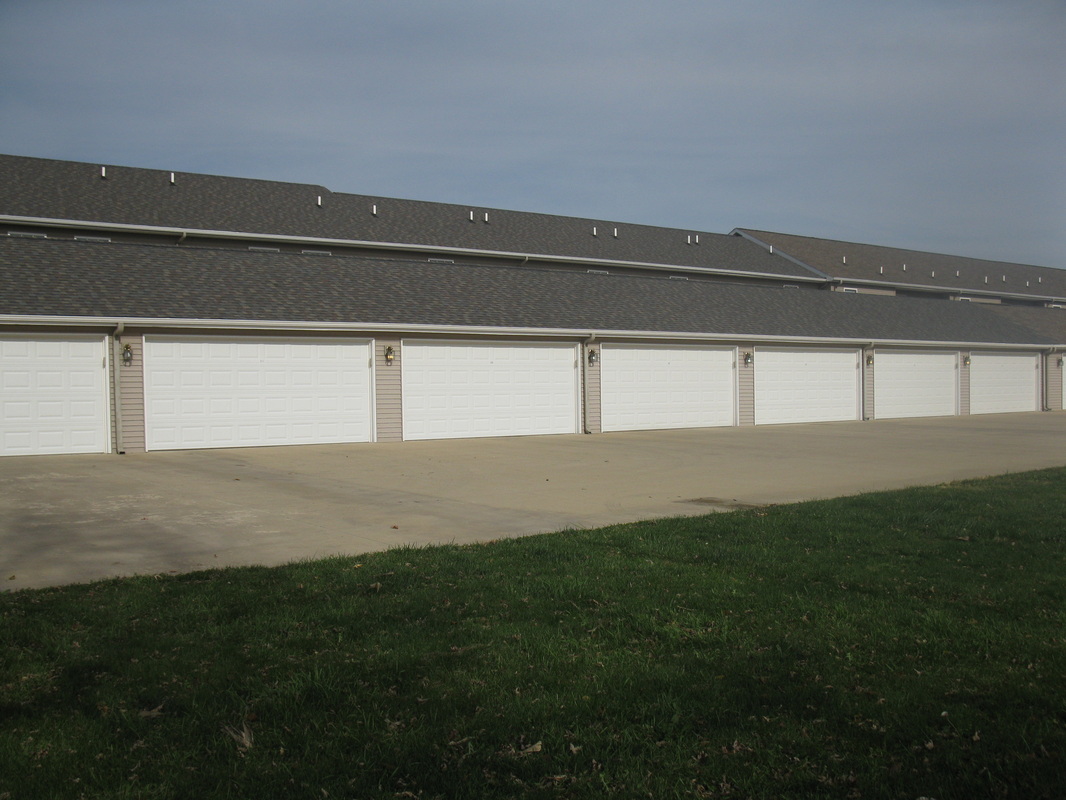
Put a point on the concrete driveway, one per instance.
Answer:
(65, 519)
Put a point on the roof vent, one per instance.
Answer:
(843, 259)
(1004, 278)
(374, 209)
(594, 231)
(319, 201)
(986, 279)
(1039, 280)
(616, 233)
(316, 252)
(697, 238)
(771, 249)
(171, 178)
(103, 172)
(881, 271)
(904, 267)
(486, 216)
(471, 216)
(440, 261)
(932, 274)
(956, 273)
(689, 239)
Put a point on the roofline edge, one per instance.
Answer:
(490, 330)
(421, 248)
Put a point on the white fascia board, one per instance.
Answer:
(393, 246)
(942, 289)
(490, 330)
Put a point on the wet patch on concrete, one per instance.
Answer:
(718, 502)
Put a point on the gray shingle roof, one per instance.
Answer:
(69, 278)
(32, 187)
(852, 261)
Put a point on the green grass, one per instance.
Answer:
(897, 645)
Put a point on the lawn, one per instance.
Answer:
(896, 645)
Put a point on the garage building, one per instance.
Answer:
(144, 310)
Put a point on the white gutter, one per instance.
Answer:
(941, 289)
(491, 330)
(393, 246)
(890, 284)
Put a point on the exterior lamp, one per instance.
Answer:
(594, 357)
(869, 359)
(127, 355)
(748, 358)
(390, 355)
(1060, 361)
(966, 361)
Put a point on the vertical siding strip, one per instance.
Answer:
(131, 394)
(387, 391)
(745, 386)
(869, 410)
(964, 384)
(591, 384)
(1053, 382)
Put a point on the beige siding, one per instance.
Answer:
(868, 410)
(964, 384)
(129, 429)
(745, 387)
(591, 386)
(1053, 382)
(387, 388)
(865, 290)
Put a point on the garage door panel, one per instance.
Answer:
(1004, 382)
(55, 395)
(914, 384)
(660, 387)
(453, 390)
(263, 392)
(798, 385)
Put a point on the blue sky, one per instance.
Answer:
(934, 125)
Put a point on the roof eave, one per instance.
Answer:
(396, 246)
(366, 327)
(950, 289)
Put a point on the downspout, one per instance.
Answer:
(116, 384)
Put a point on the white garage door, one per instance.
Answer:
(208, 392)
(1003, 382)
(911, 384)
(798, 385)
(53, 395)
(459, 390)
(651, 387)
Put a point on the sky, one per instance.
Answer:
(934, 125)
